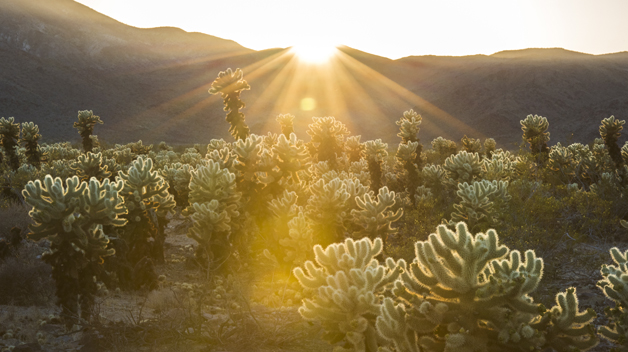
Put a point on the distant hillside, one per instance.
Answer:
(58, 57)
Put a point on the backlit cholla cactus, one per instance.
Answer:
(467, 293)
(211, 183)
(478, 207)
(286, 121)
(90, 165)
(615, 287)
(327, 208)
(562, 162)
(292, 156)
(230, 84)
(328, 136)
(225, 156)
(57, 168)
(191, 156)
(499, 166)
(406, 156)
(217, 144)
(534, 129)
(375, 215)
(610, 131)
(374, 153)
(349, 284)
(463, 167)
(354, 148)
(9, 137)
(60, 151)
(489, 147)
(146, 196)
(30, 137)
(434, 177)
(299, 241)
(444, 147)
(71, 217)
(85, 126)
(423, 194)
(471, 145)
(409, 130)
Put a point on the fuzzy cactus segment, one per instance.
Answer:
(230, 84)
(478, 208)
(463, 167)
(349, 284)
(328, 137)
(375, 216)
(467, 292)
(615, 287)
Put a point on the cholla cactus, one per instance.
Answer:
(291, 155)
(327, 208)
(444, 147)
(349, 284)
(610, 130)
(90, 165)
(489, 147)
(497, 167)
(408, 131)
(191, 156)
(9, 137)
(299, 240)
(615, 287)
(562, 161)
(471, 145)
(211, 183)
(71, 218)
(406, 156)
(30, 137)
(328, 137)
(375, 216)
(230, 84)
(469, 293)
(374, 153)
(60, 151)
(423, 194)
(477, 208)
(534, 129)
(287, 124)
(463, 167)
(85, 126)
(354, 148)
(226, 157)
(146, 195)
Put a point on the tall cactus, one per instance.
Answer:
(287, 124)
(375, 152)
(30, 137)
(72, 219)
(85, 126)
(534, 129)
(610, 131)
(9, 137)
(409, 130)
(230, 84)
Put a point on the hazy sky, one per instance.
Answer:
(391, 28)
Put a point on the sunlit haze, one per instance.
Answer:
(392, 28)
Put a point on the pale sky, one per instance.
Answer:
(391, 28)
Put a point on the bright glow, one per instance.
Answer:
(308, 104)
(314, 53)
(392, 29)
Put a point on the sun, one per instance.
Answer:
(314, 53)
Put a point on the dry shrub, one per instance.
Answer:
(11, 215)
(24, 279)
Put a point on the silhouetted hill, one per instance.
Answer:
(58, 57)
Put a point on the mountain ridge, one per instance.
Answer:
(151, 84)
